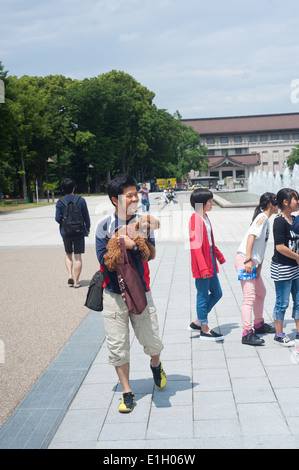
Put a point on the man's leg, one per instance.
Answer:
(69, 264)
(123, 373)
(77, 268)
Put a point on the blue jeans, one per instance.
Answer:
(145, 205)
(283, 290)
(208, 293)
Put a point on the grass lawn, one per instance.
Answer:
(17, 207)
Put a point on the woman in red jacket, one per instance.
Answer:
(204, 267)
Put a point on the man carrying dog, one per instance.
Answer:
(122, 191)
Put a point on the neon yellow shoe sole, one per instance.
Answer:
(127, 403)
(160, 377)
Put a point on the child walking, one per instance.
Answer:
(251, 254)
(285, 264)
(204, 267)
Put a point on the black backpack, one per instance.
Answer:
(72, 220)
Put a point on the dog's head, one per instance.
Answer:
(145, 224)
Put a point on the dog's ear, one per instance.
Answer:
(154, 223)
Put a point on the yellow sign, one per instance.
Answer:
(165, 183)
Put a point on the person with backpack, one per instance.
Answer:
(73, 218)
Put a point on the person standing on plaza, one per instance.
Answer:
(204, 257)
(285, 264)
(74, 243)
(122, 192)
(144, 198)
(251, 254)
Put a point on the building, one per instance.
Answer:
(241, 144)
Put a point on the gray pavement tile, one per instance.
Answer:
(220, 442)
(252, 367)
(293, 422)
(93, 396)
(169, 444)
(159, 423)
(283, 377)
(214, 405)
(121, 444)
(80, 426)
(288, 401)
(127, 432)
(262, 419)
(209, 359)
(178, 369)
(216, 428)
(176, 393)
(270, 442)
(275, 356)
(253, 390)
(211, 379)
(235, 349)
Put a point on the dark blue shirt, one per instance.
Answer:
(105, 230)
(81, 203)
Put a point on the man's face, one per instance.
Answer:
(127, 203)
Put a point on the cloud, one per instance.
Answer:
(211, 58)
(128, 37)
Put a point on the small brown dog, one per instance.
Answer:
(139, 232)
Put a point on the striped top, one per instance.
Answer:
(282, 267)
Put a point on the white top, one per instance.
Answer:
(209, 229)
(261, 233)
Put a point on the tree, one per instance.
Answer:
(25, 101)
(126, 103)
(293, 157)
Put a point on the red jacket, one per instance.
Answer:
(201, 259)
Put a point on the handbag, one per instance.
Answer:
(94, 297)
(130, 284)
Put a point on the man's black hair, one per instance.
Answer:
(200, 196)
(67, 185)
(117, 185)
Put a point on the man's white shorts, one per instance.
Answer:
(116, 321)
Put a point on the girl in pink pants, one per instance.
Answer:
(251, 253)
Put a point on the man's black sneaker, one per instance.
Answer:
(211, 336)
(264, 329)
(252, 339)
(194, 327)
(127, 403)
(160, 378)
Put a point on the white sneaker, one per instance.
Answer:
(284, 341)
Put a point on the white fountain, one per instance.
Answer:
(261, 182)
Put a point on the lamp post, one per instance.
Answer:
(49, 160)
(88, 187)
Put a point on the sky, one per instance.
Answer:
(203, 58)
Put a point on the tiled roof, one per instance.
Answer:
(245, 124)
(244, 160)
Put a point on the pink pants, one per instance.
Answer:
(254, 293)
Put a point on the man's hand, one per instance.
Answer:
(129, 243)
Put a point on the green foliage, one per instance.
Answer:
(293, 157)
(108, 121)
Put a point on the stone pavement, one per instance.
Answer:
(218, 395)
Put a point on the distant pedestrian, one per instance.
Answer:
(285, 264)
(204, 257)
(144, 198)
(73, 242)
(250, 254)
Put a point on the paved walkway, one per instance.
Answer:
(218, 395)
